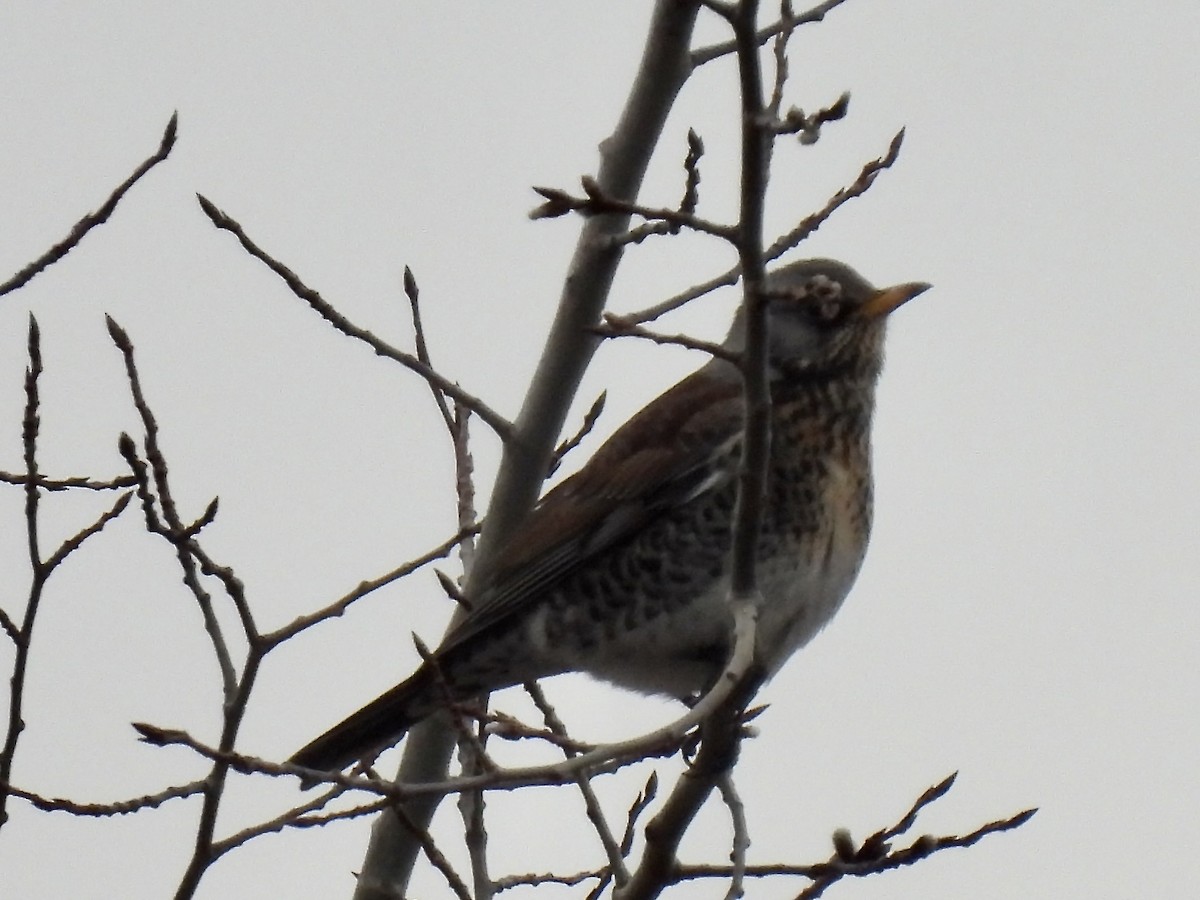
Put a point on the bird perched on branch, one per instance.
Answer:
(623, 570)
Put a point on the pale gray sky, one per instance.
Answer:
(1027, 612)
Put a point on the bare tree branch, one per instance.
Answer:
(782, 244)
(616, 326)
(848, 861)
(22, 635)
(857, 188)
(716, 725)
(168, 524)
(827, 874)
(704, 55)
(719, 713)
(105, 810)
(614, 757)
(741, 836)
(413, 293)
(779, 50)
(81, 482)
(756, 163)
(321, 306)
(91, 220)
(339, 606)
(595, 814)
(589, 422)
(433, 854)
(596, 202)
(73, 543)
(664, 68)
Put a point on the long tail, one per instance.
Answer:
(379, 724)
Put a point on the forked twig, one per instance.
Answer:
(860, 185)
(495, 421)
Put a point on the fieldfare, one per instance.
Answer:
(622, 570)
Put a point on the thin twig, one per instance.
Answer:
(536, 880)
(434, 855)
(719, 713)
(317, 820)
(472, 741)
(691, 168)
(703, 55)
(727, 278)
(617, 326)
(866, 178)
(339, 606)
(81, 482)
(495, 421)
(154, 485)
(857, 188)
(472, 805)
(673, 224)
(105, 810)
(509, 728)
(22, 636)
(822, 874)
(591, 802)
(464, 485)
(9, 627)
(170, 525)
(827, 874)
(73, 543)
(595, 202)
(30, 425)
(779, 50)
(602, 759)
(413, 293)
(930, 795)
(741, 836)
(589, 422)
(306, 815)
(99, 217)
(808, 125)
(640, 804)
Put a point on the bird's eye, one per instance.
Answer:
(826, 310)
(825, 302)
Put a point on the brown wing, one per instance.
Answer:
(679, 446)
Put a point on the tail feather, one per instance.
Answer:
(376, 726)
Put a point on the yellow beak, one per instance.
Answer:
(885, 301)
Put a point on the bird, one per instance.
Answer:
(622, 570)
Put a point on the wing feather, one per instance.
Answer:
(682, 444)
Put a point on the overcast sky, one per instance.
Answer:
(1027, 613)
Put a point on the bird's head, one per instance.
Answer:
(825, 318)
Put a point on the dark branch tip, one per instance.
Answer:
(410, 285)
(152, 734)
(591, 187)
(843, 845)
(210, 209)
(118, 334)
(169, 135)
(840, 107)
(126, 447)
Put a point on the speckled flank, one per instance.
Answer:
(649, 614)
